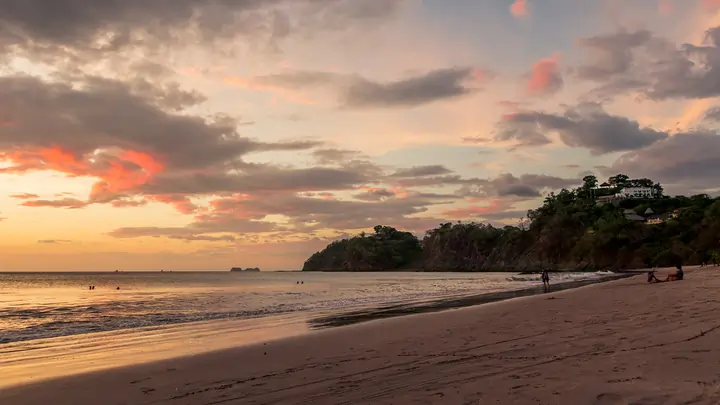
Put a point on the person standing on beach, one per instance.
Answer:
(546, 280)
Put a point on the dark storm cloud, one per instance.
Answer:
(586, 126)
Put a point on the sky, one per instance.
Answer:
(207, 134)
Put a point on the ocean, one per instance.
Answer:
(51, 305)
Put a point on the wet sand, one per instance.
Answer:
(620, 342)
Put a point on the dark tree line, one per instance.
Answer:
(570, 230)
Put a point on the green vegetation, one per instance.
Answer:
(571, 230)
(386, 249)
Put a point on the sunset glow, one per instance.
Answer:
(255, 133)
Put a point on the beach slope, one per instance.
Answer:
(620, 342)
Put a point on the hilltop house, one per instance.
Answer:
(637, 192)
(605, 195)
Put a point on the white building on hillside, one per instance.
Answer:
(637, 192)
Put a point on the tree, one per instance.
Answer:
(590, 182)
(619, 180)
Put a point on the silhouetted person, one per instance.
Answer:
(678, 275)
(651, 277)
(546, 280)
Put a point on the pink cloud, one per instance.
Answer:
(545, 76)
(520, 8)
(711, 5)
(664, 7)
(490, 207)
(285, 94)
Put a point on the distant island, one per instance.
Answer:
(620, 224)
(248, 269)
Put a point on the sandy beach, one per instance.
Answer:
(621, 342)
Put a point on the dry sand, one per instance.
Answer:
(622, 342)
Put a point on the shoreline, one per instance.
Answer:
(404, 309)
(127, 347)
(624, 341)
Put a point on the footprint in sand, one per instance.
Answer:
(609, 399)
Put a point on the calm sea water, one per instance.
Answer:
(46, 305)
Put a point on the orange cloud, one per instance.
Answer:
(117, 172)
(545, 76)
(520, 8)
(180, 202)
(24, 196)
(70, 203)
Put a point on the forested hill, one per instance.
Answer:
(574, 229)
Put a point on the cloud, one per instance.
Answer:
(685, 160)
(585, 126)
(357, 92)
(70, 203)
(654, 67)
(181, 203)
(53, 241)
(545, 76)
(24, 196)
(665, 7)
(495, 211)
(611, 54)
(712, 114)
(97, 28)
(378, 194)
(527, 186)
(422, 171)
(433, 86)
(262, 179)
(520, 8)
(198, 231)
(100, 128)
(334, 156)
(244, 214)
(710, 5)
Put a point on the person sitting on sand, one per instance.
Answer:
(678, 275)
(651, 277)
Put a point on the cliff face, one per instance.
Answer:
(569, 231)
